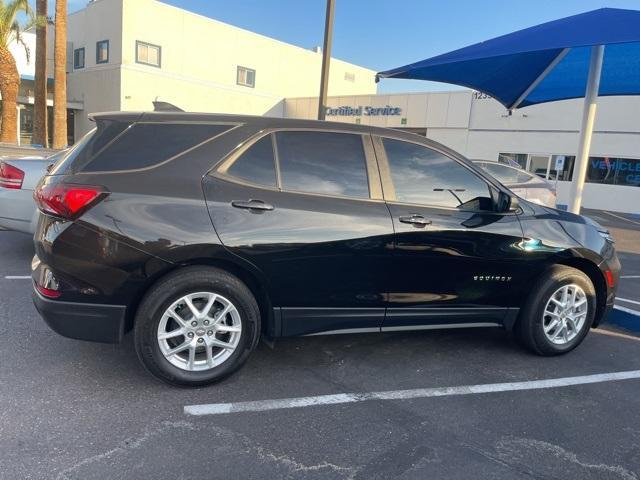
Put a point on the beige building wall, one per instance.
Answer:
(199, 60)
(96, 86)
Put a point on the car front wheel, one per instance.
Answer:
(196, 326)
(558, 313)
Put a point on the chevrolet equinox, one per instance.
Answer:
(202, 232)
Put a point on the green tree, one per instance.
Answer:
(11, 30)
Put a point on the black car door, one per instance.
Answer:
(305, 207)
(455, 259)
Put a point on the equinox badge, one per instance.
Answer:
(491, 278)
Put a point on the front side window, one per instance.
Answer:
(78, 58)
(148, 54)
(424, 176)
(102, 51)
(257, 164)
(246, 77)
(323, 162)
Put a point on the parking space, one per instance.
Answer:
(89, 411)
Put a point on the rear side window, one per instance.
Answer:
(148, 144)
(256, 165)
(323, 162)
(424, 176)
(89, 145)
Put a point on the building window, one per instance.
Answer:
(350, 77)
(614, 171)
(246, 77)
(78, 58)
(102, 51)
(148, 54)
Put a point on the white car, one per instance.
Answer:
(524, 184)
(18, 179)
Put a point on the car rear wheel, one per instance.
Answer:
(196, 326)
(558, 313)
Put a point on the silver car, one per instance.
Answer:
(18, 179)
(524, 184)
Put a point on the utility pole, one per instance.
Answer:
(326, 59)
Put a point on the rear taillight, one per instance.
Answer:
(10, 176)
(67, 200)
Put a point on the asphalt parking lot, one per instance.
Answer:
(75, 410)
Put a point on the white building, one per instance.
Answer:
(535, 137)
(127, 53)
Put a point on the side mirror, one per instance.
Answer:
(508, 203)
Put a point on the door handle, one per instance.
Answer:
(416, 220)
(252, 205)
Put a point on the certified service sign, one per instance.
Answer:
(363, 110)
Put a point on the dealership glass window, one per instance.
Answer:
(257, 164)
(424, 176)
(78, 58)
(614, 171)
(246, 77)
(323, 162)
(102, 51)
(148, 54)
(514, 159)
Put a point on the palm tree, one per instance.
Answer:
(11, 30)
(60, 77)
(40, 131)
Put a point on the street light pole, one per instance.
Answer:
(326, 59)
(586, 130)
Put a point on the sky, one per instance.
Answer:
(384, 34)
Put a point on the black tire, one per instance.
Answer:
(171, 288)
(530, 325)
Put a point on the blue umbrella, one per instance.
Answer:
(557, 60)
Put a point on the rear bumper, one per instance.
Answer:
(82, 321)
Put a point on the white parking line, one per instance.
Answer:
(626, 300)
(625, 309)
(629, 276)
(621, 218)
(18, 277)
(340, 398)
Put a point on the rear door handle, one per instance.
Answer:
(251, 205)
(417, 220)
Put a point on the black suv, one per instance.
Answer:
(201, 232)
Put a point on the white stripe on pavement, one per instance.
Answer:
(18, 277)
(340, 398)
(629, 276)
(625, 309)
(628, 301)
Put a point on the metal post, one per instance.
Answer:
(326, 59)
(586, 130)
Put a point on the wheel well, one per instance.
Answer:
(592, 271)
(248, 278)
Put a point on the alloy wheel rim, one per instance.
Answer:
(199, 331)
(565, 314)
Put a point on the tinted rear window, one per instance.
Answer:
(148, 144)
(257, 164)
(88, 146)
(323, 162)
